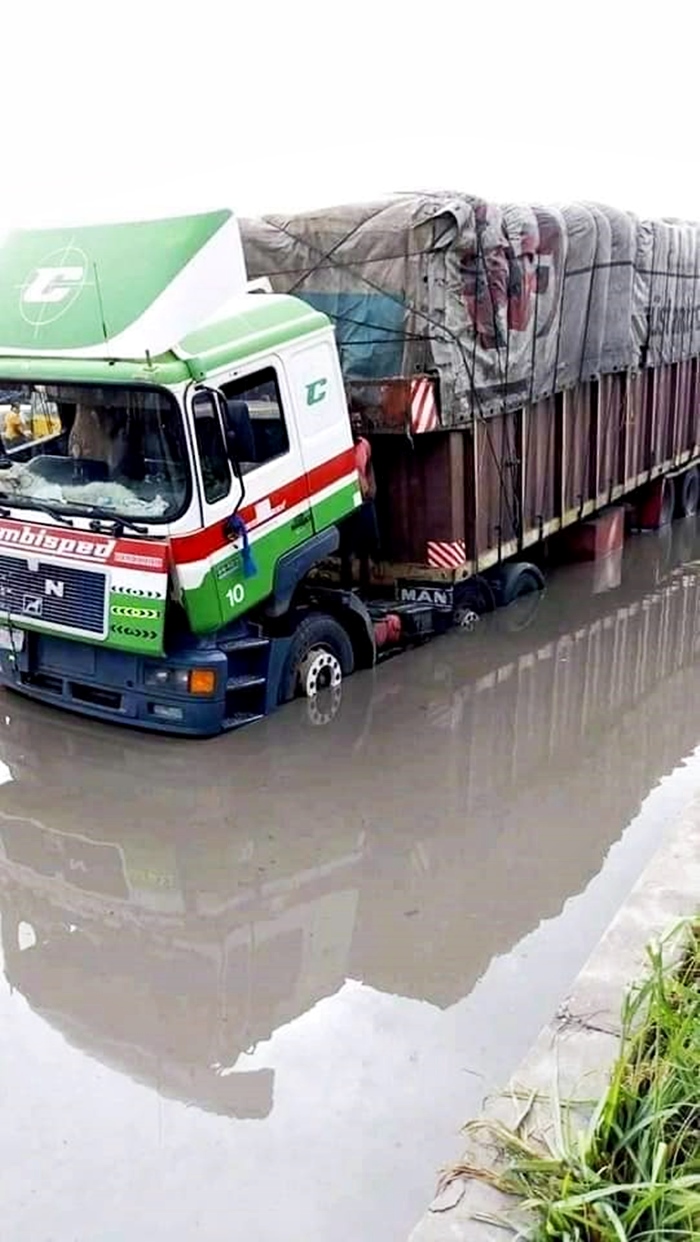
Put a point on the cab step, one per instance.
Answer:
(251, 643)
(245, 681)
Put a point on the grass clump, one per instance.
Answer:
(634, 1173)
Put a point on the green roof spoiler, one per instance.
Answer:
(118, 291)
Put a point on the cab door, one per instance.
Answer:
(317, 389)
(244, 536)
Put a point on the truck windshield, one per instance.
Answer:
(70, 446)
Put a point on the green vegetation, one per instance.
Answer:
(634, 1173)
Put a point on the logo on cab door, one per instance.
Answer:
(316, 391)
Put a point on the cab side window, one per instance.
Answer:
(216, 471)
(256, 418)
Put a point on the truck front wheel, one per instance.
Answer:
(320, 656)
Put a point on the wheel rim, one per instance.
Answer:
(319, 670)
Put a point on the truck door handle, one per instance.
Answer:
(302, 519)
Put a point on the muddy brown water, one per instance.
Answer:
(253, 987)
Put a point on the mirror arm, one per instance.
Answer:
(230, 521)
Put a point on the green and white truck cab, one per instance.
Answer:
(177, 458)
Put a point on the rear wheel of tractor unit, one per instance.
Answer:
(320, 656)
(472, 600)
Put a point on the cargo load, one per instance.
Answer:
(503, 305)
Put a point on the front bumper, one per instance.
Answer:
(110, 685)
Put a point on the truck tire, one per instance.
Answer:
(688, 493)
(514, 583)
(511, 582)
(319, 657)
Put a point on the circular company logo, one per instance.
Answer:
(53, 286)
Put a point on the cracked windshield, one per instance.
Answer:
(118, 449)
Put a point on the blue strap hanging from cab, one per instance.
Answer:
(240, 530)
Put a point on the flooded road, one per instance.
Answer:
(253, 986)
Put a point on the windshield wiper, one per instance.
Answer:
(119, 523)
(42, 506)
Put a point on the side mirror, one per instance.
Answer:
(226, 426)
(231, 445)
(233, 448)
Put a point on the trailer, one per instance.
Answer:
(520, 370)
(180, 475)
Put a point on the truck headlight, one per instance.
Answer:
(157, 676)
(200, 681)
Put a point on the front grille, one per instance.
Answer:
(59, 595)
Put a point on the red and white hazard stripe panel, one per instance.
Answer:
(447, 555)
(424, 412)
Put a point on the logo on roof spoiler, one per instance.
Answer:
(53, 286)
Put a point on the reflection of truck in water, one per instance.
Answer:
(179, 473)
(183, 928)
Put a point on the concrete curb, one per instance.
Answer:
(577, 1048)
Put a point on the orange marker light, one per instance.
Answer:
(202, 681)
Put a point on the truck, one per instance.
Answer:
(179, 469)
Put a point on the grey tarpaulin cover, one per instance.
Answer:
(506, 304)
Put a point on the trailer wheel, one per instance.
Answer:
(319, 657)
(472, 599)
(518, 590)
(689, 493)
(510, 582)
